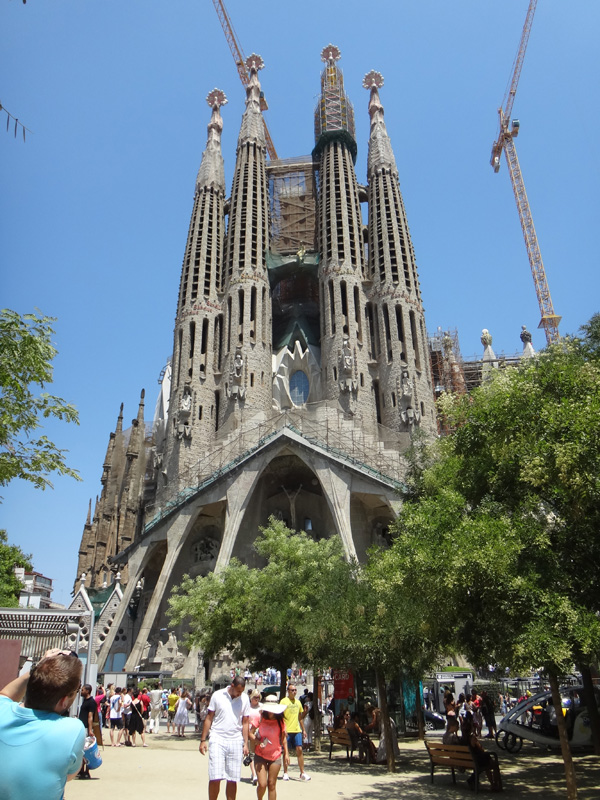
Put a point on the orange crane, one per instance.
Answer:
(240, 63)
(505, 142)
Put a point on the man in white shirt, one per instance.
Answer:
(227, 722)
(155, 708)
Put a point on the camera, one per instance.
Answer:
(248, 760)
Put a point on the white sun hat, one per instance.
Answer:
(271, 704)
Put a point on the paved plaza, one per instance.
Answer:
(172, 767)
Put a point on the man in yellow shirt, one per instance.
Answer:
(293, 717)
(172, 701)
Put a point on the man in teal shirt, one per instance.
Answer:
(40, 750)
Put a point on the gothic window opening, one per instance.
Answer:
(332, 306)
(241, 316)
(400, 329)
(203, 346)
(229, 313)
(388, 333)
(179, 350)
(344, 298)
(217, 408)
(357, 317)
(191, 351)
(218, 342)
(253, 313)
(415, 340)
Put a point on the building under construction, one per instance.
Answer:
(300, 368)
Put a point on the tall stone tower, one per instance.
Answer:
(247, 305)
(299, 371)
(346, 352)
(198, 340)
(396, 321)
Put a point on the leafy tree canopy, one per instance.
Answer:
(11, 556)
(501, 532)
(278, 614)
(26, 354)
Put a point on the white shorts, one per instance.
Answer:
(225, 759)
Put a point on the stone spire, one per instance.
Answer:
(247, 364)
(211, 173)
(253, 128)
(381, 155)
(344, 356)
(398, 340)
(198, 339)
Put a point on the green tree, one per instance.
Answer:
(26, 354)
(11, 556)
(269, 615)
(501, 534)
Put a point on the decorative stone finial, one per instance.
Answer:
(528, 351)
(216, 98)
(525, 335)
(486, 338)
(118, 577)
(330, 53)
(82, 579)
(373, 80)
(255, 62)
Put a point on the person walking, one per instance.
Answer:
(254, 719)
(116, 719)
(86, 714)
(40, 749)
(172, 701)
(227, 723)
(181, 718)
(137, 723)
(155, 709)
(270, 743)
(294, 716)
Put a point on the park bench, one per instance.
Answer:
(453, 756)
(342, 737)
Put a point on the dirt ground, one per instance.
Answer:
(172, 767)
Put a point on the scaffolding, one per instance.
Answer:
(293, 203)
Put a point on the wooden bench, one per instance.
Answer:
(342, 737)
(453, 756)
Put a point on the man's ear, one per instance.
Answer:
(64, 703)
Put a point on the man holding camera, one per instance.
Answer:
(40, 749)
(227, 721)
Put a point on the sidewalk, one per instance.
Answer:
(173, 767)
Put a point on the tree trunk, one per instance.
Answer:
(420, 715)
(563, 738)
(385, 721)
(317, 710)
(589, 698)
(283, 684)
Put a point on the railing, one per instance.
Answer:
(376, 453)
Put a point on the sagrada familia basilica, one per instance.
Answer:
(300, 368)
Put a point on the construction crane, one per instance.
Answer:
(505, 142)
(240, 63)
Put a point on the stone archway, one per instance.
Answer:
(289, 490)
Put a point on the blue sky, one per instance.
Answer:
(95, 205)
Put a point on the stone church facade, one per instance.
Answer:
(300, 369)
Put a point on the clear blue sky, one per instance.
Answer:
(96, 205)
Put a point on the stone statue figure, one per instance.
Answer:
(184, 429)
(486, 338)
(525, 335)
(236, 376)
(347, 382)
(409, 415)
